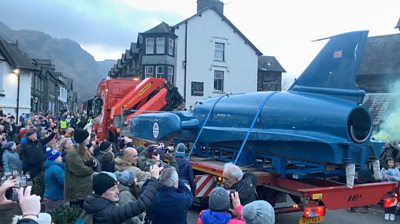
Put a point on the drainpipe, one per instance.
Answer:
(185, 64)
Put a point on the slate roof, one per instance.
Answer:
(227, 21)
(269, 63)
(380, 104)
(134, 48)
(68, 82)
(15, 57)
(381, 56)
(161, 28)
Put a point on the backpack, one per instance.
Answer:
(251, 179)
(84, 218)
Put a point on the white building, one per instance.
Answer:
(204, 55)
(213, 57)
(14, 65)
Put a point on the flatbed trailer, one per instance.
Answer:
(312, 196)
(303, 142)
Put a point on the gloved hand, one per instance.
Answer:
(91, 163)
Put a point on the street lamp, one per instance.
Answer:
(17, 73)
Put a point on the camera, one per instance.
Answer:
(22, 180)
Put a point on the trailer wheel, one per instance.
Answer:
(267, 194)
(296, 199)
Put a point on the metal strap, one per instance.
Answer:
(252, 124)
(204, 124)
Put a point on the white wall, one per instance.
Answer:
(9, 88)
(240, 65)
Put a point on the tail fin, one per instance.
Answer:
(334, 70)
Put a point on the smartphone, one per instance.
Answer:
(230, 191)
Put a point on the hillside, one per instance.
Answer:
(67, 55)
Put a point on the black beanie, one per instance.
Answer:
(104, 146)
(80, 135)
(102, 182)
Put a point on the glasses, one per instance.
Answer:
(134, 155)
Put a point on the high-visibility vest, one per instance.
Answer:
(63, 124)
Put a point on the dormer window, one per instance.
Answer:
(149, 45)
(160, 43)
(170, 46)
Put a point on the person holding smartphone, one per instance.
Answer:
(29, 204)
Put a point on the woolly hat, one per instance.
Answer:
(80, 135)
(258, 212)
(126, 177)
(103, 181)
(52, 154)
(104, 146)
(9, 145)
(180, 150)
(219, 200)
(108, 157)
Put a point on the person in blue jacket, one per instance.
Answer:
(185, 171)
(172, 201)
(53, 180)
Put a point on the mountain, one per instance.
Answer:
(67, 56)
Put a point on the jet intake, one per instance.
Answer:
(359, 125)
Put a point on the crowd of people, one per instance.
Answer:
(113, 184)
(124, 183)
(390, 160)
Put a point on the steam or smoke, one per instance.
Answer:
(390, 128)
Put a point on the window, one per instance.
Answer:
(159, 71)
(37, 83)
(219, 53)
(197, 88)
(149, 45)
(170, 74)
(149, 71)
(218, 81)
(41, 88)
(160, 41)
(170, 46)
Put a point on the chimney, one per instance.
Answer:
(216, 4)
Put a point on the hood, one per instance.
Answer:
(122, 163)
(10, 152)
(94, 203)
(210, 217)
(49, 163)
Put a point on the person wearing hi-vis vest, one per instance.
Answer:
(63, 124)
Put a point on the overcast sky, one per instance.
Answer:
(280, 28)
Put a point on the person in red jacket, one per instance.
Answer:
(219, 211)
